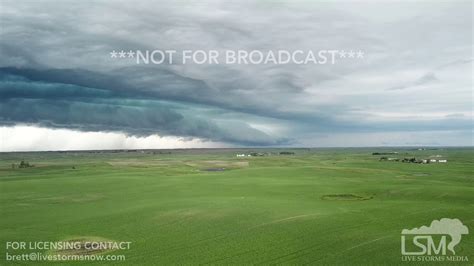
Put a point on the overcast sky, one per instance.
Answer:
(60, 88)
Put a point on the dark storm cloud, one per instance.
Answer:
(137, 83)
(133, 120)
(38, 97)
(67, 98)
(56, 70)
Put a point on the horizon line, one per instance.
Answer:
(244, 148)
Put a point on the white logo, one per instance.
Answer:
(432, 240)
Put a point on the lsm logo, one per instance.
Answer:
(430, 243)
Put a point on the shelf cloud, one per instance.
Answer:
(413, 85)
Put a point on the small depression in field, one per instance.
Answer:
(214, 169)
(345, 197)
(421, 174)
(85, 246)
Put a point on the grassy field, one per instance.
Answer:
(319, 206)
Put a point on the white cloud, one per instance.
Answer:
(31, 138)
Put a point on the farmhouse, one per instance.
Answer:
(413, 160)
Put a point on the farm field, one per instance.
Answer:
(208, 206)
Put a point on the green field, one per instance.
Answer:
(318, 206)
